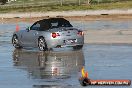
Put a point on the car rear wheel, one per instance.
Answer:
(78, 47)
(15, 41)
(42, 44)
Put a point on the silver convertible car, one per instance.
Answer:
(49, 33)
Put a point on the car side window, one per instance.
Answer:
(44, 26)
(35, 27)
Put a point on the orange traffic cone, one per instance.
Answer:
(17, 27)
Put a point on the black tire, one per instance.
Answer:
(15, 42)
(42, 44)
(78, 47)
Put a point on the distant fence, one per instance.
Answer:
(31, 3)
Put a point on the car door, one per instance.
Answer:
(29, 37)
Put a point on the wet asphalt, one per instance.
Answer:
(30, 68)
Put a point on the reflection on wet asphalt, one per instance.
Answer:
(49, 65)
(34, 69)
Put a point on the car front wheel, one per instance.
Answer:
(42, 44)
(15, 41)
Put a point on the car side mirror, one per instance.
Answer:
(28, 29)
